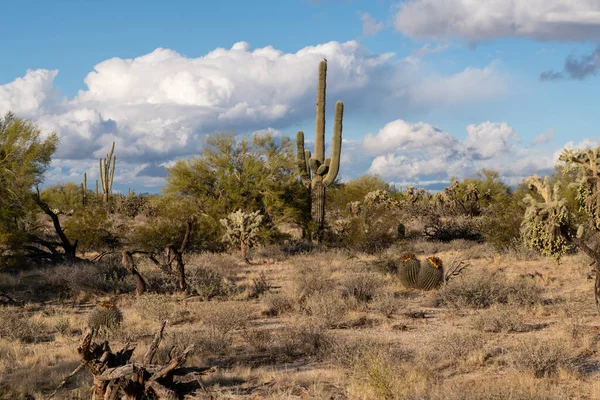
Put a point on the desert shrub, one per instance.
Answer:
(18, 326)
(132, 205)
(501, 223)
(511, 387)
(277, 303)
(386, 303)
(158, 308)
(483, 289)
(451, 346)
(448, 228)
(362, 286)
(225, 317)
(63, 325)
(92, 228)
(63, 197)
(326, 309)
(309, 279)
(167, 225)
(499, 319)
(208, 283)
(259, 339)
(68, 279)
(541, 357)
(303, 340)
(207, 342)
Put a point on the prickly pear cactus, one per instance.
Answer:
(431, 274)
(408, 270)
(105, 317)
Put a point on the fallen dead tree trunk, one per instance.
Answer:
(115, 377)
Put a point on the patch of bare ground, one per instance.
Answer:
(322, 325)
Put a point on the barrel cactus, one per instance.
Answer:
(105, 317)
(408, 270)
(431, 274)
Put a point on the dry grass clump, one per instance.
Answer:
(302, 340)
(208, 283)
(259, 339)
(225, 317)
(483, 289)
(327, 310)
(380, 371)
(277, 303)
(542, 357)
(498, 319)
(16, 325)
(158, 308)
(362, 286)
(511, 387)
(386, 303)
(308, 279)
(448, 347)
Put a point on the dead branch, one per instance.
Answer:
(115, 377)
(149, 356)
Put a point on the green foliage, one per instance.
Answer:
(234, 173)
(369, 225)
(166, 224)
(132, 205)
(62, 197)
(25, 154)
(501, 223)
(91, 227)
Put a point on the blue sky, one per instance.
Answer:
(432, 88)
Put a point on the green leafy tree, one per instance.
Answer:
(63, 197)
(25, 154)
(232, 173)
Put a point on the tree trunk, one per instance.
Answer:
(244, 250)
(317, 194)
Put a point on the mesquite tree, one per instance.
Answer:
(241, 229)
(551, 226)
(318, 172)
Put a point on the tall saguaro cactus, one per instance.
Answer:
(107, 173)
(318, 172)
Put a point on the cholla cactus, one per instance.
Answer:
(242, 229)
(587, 163)
(377, 199)
(546, 222)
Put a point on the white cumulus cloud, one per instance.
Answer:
(477, 20)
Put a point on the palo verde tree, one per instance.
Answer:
(24, 157)
(238, 173)
(316, 171)
(552, 225)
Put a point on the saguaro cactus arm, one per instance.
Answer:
(336, 148)
(302, 160)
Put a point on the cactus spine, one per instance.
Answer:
(409, 270)
(107, 173)
(431, 274)
(318, 172)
